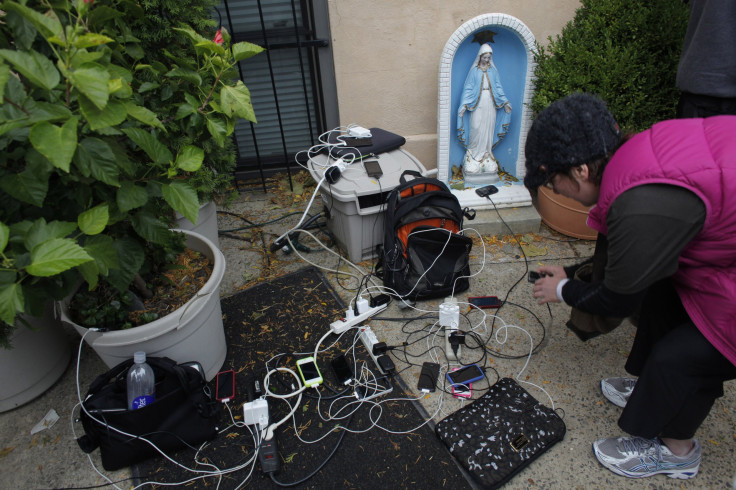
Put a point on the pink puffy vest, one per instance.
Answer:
(699, 155)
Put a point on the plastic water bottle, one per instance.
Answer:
(141, 383)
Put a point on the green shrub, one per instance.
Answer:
(625, 51)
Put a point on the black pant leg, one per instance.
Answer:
(681, 379)
(661, 310)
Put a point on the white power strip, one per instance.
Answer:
(369, 340)
(339, 326)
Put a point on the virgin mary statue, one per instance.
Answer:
(488, 114)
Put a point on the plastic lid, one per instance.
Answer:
(139, 357)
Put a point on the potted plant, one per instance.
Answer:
(627, 53)
(93, 172)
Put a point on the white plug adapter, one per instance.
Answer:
(359, 132)
(256, 413)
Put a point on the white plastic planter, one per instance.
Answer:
(194, 332)
(206, 223)
(37, 360)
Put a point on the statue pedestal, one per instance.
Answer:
(480, 179)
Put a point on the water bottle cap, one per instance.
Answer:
(139, 357)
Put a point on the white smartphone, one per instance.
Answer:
(309, 371)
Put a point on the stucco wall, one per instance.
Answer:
(387, 56)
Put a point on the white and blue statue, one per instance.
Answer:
(488, 114)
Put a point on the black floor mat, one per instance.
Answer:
(286, 315)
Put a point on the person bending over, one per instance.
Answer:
(665, 205)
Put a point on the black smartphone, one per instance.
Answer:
(485, 301)
(225, 386)
(534, 275)
(486, 191)
(342, 369)
(466, 375)
(373, 168)
(357, 142)
(428, 377)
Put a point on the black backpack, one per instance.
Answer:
(424, 255)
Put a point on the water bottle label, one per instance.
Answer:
(142, 401)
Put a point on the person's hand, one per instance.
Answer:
(545, 288)
(507, 108)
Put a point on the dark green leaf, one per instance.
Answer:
(150, 228)
(182, 198)
(95, 157)
(148, 143)
(130, 196)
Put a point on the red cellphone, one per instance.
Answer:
(225, 386)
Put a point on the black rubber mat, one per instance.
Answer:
(269, 323)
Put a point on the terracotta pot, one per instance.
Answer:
(564, 215)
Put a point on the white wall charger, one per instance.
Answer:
(359, 132)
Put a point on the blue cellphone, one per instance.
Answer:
(465, 375)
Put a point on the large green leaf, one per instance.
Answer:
(93, 221)
(217, 130)
(11, 302)
(130, 259)
(236, 101)
(4, 235)
(40, 232)
(130, 196)
(4, 76)
(100, 247)
(143, 115)
(244, 50)
(189, 159)
(47, 25)
(92, 80)
(182, 198)
(95, 157)
(30, 186)
(186, 74)
(148, 143)
(58, 144)
(113, 113)
(150, 228)
(37, 68)
(56, 256)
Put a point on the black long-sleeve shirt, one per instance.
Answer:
(648, 227)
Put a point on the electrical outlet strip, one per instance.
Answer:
(449, 319)
(339, 326)
(369, 340)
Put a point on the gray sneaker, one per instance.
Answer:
(618, 390)
(636, 457)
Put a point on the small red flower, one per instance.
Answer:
(218, 34)
(89, 1)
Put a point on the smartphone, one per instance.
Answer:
(486, 191)
(534, 275)
(462, 390)
(465, 375)
(309, 371)
(428, 377)
(485, 301)
(373, 168)
(342, 369)
(357, 142)
(225, 386)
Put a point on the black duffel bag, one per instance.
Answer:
(183, 414)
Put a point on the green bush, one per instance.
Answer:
(625, 51)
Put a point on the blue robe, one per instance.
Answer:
(471, 96)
